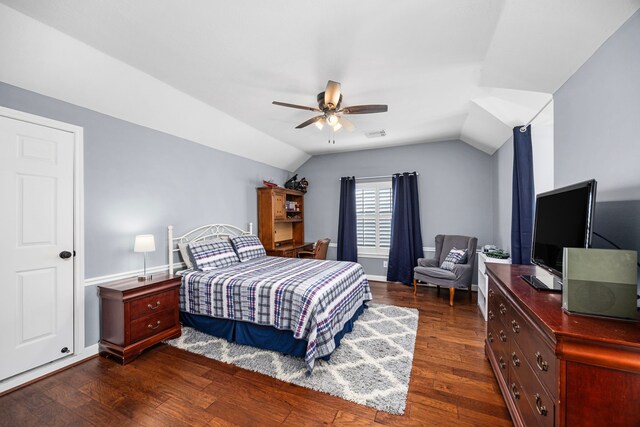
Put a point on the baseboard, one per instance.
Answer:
(21, 380)
(376, 278)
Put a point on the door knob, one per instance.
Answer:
(65, 254)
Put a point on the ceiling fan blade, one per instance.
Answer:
(332, 94)
(364, 109)
(300, 107)
(309, 122)
(347, 124)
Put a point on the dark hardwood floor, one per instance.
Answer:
(451, 384)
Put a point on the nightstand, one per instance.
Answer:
(136, 314)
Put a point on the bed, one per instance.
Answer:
(300, 307)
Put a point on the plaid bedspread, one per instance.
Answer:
(313, 299)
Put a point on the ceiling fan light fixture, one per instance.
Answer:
(337, 127)
(319, 124)
(332, 119)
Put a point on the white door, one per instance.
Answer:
(36, 227)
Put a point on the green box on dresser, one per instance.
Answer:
(600, 282)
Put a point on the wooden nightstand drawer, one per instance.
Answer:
(154, 304)
(151, 325)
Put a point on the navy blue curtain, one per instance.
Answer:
(347, 235)
(523, 197)
(406, 236)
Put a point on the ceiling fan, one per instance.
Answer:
(329, 104)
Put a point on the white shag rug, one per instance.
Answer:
(371, 367)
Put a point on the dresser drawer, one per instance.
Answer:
(498, 304)
(153, 304)
(499, 349)
(148, 326)
(541, 405)
(535, 351)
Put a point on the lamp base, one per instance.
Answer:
(144, 278)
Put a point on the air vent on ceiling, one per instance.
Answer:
(376, 133)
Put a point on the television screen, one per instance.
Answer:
(563, 219)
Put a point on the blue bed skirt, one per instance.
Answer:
(260, 336)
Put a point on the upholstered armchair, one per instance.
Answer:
(429, 271)
(319, 250)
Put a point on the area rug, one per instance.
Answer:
(371, 367)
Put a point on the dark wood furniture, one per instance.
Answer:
(281, 221)
(290, 250)
(556, 368)
(135, 315)
(319, 251)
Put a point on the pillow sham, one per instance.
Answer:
(209, 255)
(248, 247)
(186, 257)
(455, 256)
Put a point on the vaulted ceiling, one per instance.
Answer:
(448, 69)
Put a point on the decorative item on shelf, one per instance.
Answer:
(303, 184)
(144, 243)
(291, 182)
(497, 253)
(269, 183)
(294, 184)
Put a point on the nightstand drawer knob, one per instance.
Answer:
(154, 307)
(154, 327)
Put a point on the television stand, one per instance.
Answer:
(545, 282)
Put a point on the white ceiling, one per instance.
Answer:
(448, 69)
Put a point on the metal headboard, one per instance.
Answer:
(205, 232)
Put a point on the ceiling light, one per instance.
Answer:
(319, 124)
(337, 127)
(332, 119)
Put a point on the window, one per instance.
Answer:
(373, 216)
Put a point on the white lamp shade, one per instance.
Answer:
(144, 243)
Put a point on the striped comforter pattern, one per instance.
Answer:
(313, 299)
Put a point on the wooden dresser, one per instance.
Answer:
(556, 368)
(281, 221)
(135, 315)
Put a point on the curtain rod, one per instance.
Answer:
(381, 176)
(524, 128)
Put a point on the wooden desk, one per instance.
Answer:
(555, 368)
(290, 250)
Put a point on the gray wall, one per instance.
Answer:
(596, 134)
(502, 165)
(455, 185)
(138, 181)
(595, 119)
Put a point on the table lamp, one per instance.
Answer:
(144, 243)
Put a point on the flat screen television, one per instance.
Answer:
(563, 219)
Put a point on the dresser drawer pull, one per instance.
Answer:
(515, 327)
(503, 336)
(515, 391)
(542, 410)
(542, 364)
(154, 307)
(514, 359)
(501, 362)
(150, 326)
(489, 336)
(490, 293)
(503, 309)
(491, 315)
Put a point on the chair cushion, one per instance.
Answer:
(455, 256)
(435, 272)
